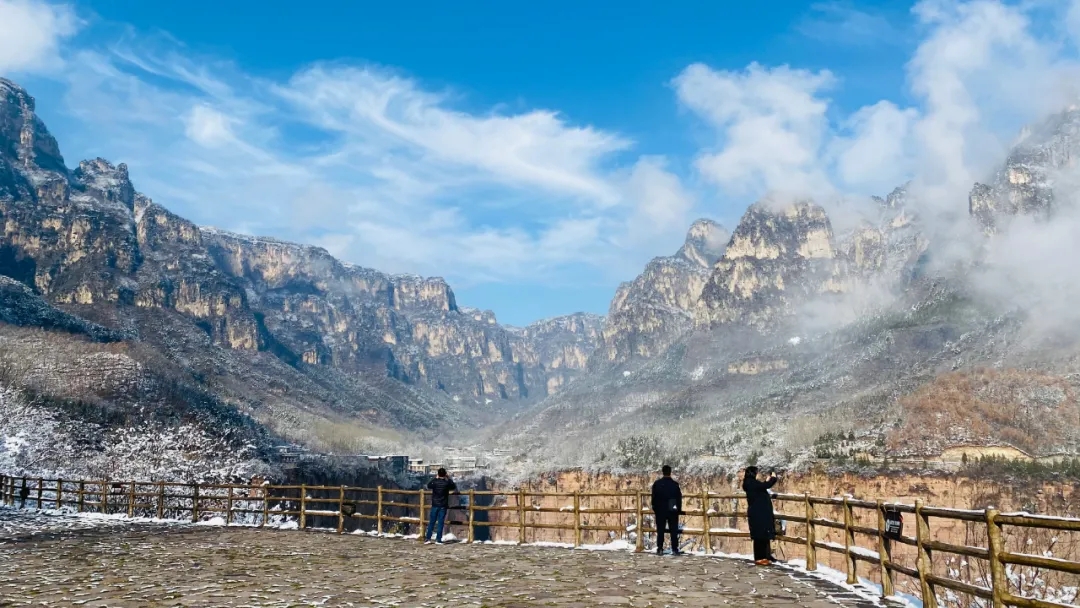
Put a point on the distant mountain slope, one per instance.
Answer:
(886, 339)
(316, 349)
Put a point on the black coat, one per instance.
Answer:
(665, 494)
(441, 487)
(759, 509)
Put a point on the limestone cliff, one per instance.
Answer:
(654, 310)
(1025, 184)
(86, 240)
(777, 255)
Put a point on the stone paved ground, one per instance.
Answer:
(64, 561)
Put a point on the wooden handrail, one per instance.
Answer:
(258, 503)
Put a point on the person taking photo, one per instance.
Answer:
(440, 487)
(759, 512)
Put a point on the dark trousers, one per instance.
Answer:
(762, 549)
(670, 522)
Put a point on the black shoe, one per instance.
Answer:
(676, 552)
(659, 551)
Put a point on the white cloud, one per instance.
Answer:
(875, 154)
(208, 127)
(536, 148)
(771, 125)
(981, 74)
(31, 33)
(840, 23)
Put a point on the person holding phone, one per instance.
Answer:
(759, 512)
(666, 506)
(441, 487)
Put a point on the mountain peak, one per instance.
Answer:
(705, 242)
(24, 140)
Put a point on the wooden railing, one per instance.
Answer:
(380, 507)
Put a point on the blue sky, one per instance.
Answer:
(534, 154)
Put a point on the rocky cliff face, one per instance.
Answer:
(654, 310)
(1025, 184)
(778, 255)
(87, 241)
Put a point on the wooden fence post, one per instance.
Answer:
(194, 502)
(421, 531)
(23, 493)
(40, 487)
(161, 500)
(82, 492)
(472, 511)
(340, 506)
(229, 506)
(521, 516)
(378, 514)
(59, 494)
(811, 550)
(640, 545)
(925, 565)
(849, 542)
(103, 495)
(884, 554)
(706, 530)
(131, 500)
(577, 519)
(303, 506)
(999, 582)
(266, 504)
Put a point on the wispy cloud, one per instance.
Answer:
(841, 23)
(375, 167)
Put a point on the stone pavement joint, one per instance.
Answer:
(61, 563)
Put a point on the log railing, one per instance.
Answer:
(382, 507)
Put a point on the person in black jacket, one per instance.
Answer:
(759, 512)
(440, 487)
(666, 506)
